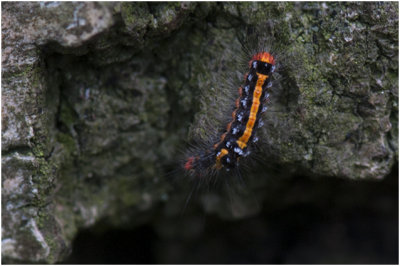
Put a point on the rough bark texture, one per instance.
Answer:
(97, 98)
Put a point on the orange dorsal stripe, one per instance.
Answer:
(221, 154)
(242, 141)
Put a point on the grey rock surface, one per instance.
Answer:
(97, 99)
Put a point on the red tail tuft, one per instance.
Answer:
(189, 164)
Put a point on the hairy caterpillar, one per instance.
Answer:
(246, 118)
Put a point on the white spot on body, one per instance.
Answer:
(247, 89)
(260, 123)
(255, 64)
(272, 68)
(269, 85)
(235, 130)
(244, 102)
(255, 139)
(264, 109)
(239, 117)
(238, 151)
(250, 77)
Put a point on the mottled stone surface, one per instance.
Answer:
(97, 99)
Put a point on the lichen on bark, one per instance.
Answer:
(98, 97)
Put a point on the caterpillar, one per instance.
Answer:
(246, 118)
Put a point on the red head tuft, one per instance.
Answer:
(265, 57)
